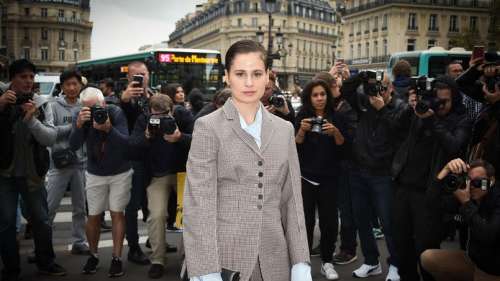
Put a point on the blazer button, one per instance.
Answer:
(259, 207)
(261, 174)
(260, 185)
(259, 163)
(261, 196)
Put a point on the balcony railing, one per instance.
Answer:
(54, 19)
(483, 4)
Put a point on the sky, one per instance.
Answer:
(122, 26)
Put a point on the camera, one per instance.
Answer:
(23, 98)
(372, 84)
(426, 96)
(277, 99)
(99, 114)
(317, 124)
(452, 182)
(139, 79)
(159, 126)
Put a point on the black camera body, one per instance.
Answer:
(491, 82)
(453, 182)
(427, 98)
(99, 114)
(317, 124)
(277, 99)
(372, 86)
(23, 98)
(159, 126)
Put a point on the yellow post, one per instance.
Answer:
(181, 177)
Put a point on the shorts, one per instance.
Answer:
(108, 192)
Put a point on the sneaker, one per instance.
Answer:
(315, 252)
(367, 270)
(52, 270)
(80, 249)
(377, 232)
(156, 271)
(115, 270)
(328, 271)
(136, 256)
(91, 266)
(344, 258)
(393, 274)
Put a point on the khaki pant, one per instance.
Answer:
(453, 265)
(158, 194)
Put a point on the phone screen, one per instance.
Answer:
(139, 79)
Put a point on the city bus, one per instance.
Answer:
(432, 62)
(192, 68)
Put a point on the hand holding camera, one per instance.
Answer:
(134, 89)
(305, 126)
(377, 102)
(172, 138)
(83, 117)
(329, 129)
(163, 126)
(9, 97)
(492, 97)
(29, 109)
(277, 102)
(105, 127)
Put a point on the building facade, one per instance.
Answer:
(309, 29)
(53, 34)
(374, 29)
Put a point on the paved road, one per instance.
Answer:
(74, 264)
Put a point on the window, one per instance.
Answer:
(61, 55)
(473, 24)
(352, 51)
(412, 21)
(75, 54)
(26, 53)
(375, 24)
(359, 27)
(240, 23)
(61, 35)
(255, 23)
(385, 47)
(453, 24)
(61, 13)
(431, 43)
(385, 22)
(359, 50)
(44, 54)
(26, 33)
(367, 51)
(73, 16)
(256, 7)
(43, 12)
(367, 26)
(410, 46)
(284, 23)
(75, 36)
(26, 11)
(433, 24)
(45, 34)
(375, 48)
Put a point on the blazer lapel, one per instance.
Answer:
(232, 115)
(267, 131)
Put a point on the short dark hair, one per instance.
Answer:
(401, 68)
(68, 74)
(490, 170)
(325, 76)
(108, 82)
(160, 102)
(19, 66)
(244, 47)
(222, 96)
(307, 107)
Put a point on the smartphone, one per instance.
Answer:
(139, 79)
(478, 52)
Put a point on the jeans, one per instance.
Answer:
(324, 197)
(140, 181)
(35, 201)
(373, 193)
(344, 202)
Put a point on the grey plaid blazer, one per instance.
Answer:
(242, 203)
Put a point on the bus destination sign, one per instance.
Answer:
(186, 58)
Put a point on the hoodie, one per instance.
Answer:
(63, 117)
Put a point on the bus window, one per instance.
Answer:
(438, 64)
(414, 62)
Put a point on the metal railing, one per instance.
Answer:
(484, 4)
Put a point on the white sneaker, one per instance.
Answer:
(329, 272)
(367, 270)
(393, 274)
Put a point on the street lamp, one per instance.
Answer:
(271, 7)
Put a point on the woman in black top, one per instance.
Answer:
(320, 135)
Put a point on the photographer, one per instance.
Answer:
(109, 177)
(320, 135)
(481, 83)
(275, 102)
(438, 131)
(373, 148)
(107, 86)
(475, 189)
(165, 143)
(67, 166)
(27, 128)
(218, 101)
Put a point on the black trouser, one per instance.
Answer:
(417, 227)
(324, 197)
(140, 180)
(172, 208)
(344, 202)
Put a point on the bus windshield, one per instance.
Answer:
(438, 63)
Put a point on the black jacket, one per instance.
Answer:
(160, 156)
(375, 138)
(319, 156)
(484, 231)
(450, 137)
